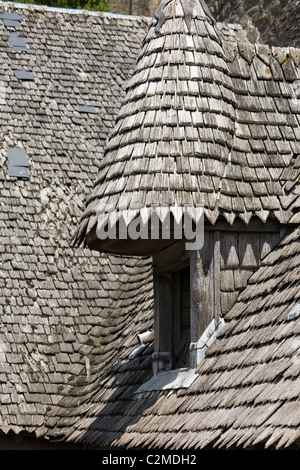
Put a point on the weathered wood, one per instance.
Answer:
(217, 276)
(267, 242)
(249, 249)
(202, 287)
(227, 301)
(163, 318)
(195, 305)
(173, 258)
(228, 250)
(176, 313)
(227, 280)
(181, 352)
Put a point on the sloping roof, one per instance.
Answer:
(54, 298)
(246, 393)
(70, 318)
(204, 121)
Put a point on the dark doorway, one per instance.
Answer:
(181, 318)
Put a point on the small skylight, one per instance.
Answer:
(83, 108)
(17, 43)
(295, 313)
(12, 20)
(169, 380)
(24, 75)
(17, 163)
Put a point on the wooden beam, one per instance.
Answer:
(203, 298)
(173, 258)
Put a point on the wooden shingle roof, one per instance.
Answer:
(70, 318)
(245, 396)
(205, 120)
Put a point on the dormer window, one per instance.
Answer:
(193, 290)
(186, 303)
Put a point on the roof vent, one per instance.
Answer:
(12, 20)
(24, 75)
(17, 163)
(83, 108)
(17, 43)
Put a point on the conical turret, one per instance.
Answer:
(173, 134)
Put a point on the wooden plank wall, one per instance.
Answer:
(240, 255)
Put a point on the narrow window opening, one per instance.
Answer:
(181, 316)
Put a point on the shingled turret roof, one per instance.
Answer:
(71, 360)
(204, 121)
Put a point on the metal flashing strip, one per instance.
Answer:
(24, 75)
(83, 108)
(17, 163)
(17, 43)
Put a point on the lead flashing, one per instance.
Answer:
(17, 163)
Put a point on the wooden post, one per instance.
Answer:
(156, 308)
(195, 302)
(205, 285)
(217, 270)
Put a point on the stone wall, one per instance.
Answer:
(276, 22)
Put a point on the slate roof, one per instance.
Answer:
(246, 393)
(53, 298)
(205, 120)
